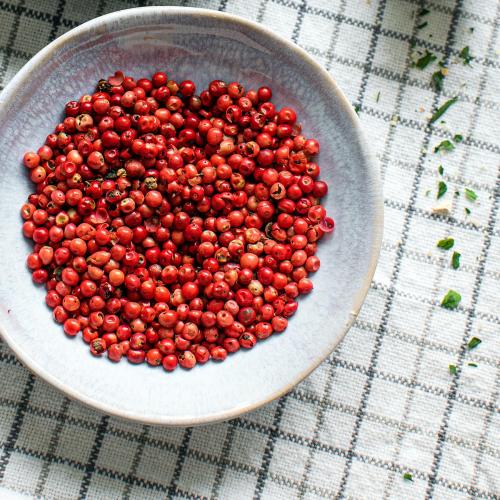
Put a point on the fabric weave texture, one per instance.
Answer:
(385, 403)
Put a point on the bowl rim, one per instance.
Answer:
(374, 178)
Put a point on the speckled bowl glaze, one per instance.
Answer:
(200, 45)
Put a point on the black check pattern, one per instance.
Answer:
(384, 403)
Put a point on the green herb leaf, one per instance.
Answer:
(467, 211)
(458, 138)
(442, 188)
(423, 25)
(423, 12)
(470, 195)
(453, 369)
(407, 476)
(474, 365)
(357, 108)
(437, 80)
(442, 109)
(445, 145)
(455, 260)
(473, 343)
(465, 55)
(441, 170)
(425, 60)
(451, 300)
(446, 243)
(471, 29)
(377, 99)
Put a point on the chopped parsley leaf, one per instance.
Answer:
(473, 343)
(451, 300)
(453, 369)
(455, 260)
(357, 108)
(458, 138)
(425, 60)
(471, 29)
(446, 243)
(377, 99)
(467, 211)
(470, 195)
(441, 170)
(423, 25)
(442, 109)
(428, 192)
(465, 55)
(443, 146)
(437, 80)
(474, 365)
(423, 12)
(407, 476)
(442, 188)
(457, 193)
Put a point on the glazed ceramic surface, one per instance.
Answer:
(202, 46)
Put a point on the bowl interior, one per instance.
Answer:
(201, 46)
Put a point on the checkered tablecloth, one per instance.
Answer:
(385, 404)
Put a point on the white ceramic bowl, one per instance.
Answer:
(200, 45)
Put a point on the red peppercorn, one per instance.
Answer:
(97, 347)
(187, 359)
(170, 362)
(136, 356)
(154, 357)
(71, 327)
(248, 340)
(115, 352)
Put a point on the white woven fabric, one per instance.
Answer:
(385, 403)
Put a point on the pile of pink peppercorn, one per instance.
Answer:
(173, 227)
